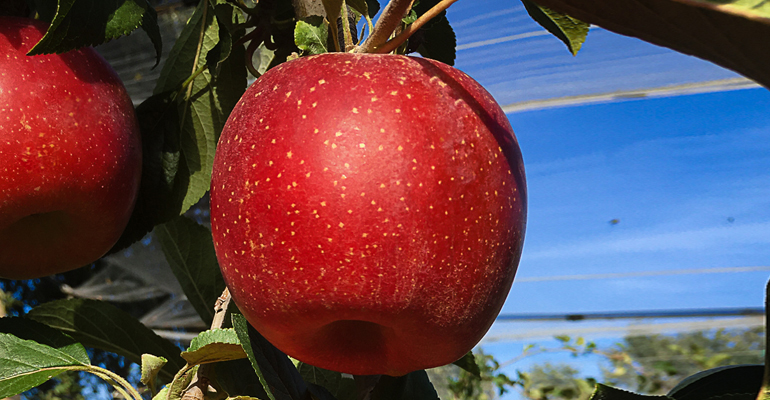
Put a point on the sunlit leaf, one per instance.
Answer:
(103, 326)
(569, 30)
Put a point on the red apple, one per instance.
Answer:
(368, 211)
(70, 155)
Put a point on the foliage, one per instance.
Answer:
(655, 364)
(560, 381)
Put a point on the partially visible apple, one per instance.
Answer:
(368, 211)
(70, 155)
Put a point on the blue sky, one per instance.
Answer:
(672, 171)
(688, 177)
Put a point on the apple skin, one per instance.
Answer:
(70, 155)
(368, 211)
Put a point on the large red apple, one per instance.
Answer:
(70, 155)
(368, 211)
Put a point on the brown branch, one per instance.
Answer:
(390, 19)
(393, 44)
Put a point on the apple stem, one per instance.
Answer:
(364, 385)
(393, 44)
(389, 20)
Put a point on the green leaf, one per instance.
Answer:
(214, 346)
(604, 392)
(176, 388)
(189, 250)
(25, 364)
(569, 30)
(81, 23)
(151, 365)
(203, 112)
(278, 375)
(103, 326)
(731, 380)
(468, 363)
(311, 35)
(152, 29)
(339, 386)
(27, 329)
(722, 31)
(414, 385)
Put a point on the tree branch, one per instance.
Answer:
(393, 44)
(391, 17)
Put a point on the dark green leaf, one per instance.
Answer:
(46, 9)
(373, 6)
(81, 23)
(237, 378)
(151, 28)
(604, 392)
(227, 16)
(203, 112)
(414, 385)
(342, 388)
(569, 30)
(731, 380)
(165, 178)
(25, 364)
(189, 250)
(103, 326)
(214, 345)
(468, 363)
(278, 375)
(438, 40)
(311, 35)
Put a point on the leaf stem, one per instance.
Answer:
(393, 44)
(390, 19)
(117, 381)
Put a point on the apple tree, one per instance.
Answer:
(368, 208)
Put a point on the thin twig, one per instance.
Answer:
(390, 19)
(393, 44)
(346, 27)
(220, 309)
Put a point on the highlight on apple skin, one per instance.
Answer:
(70, 155)
(368, 211)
